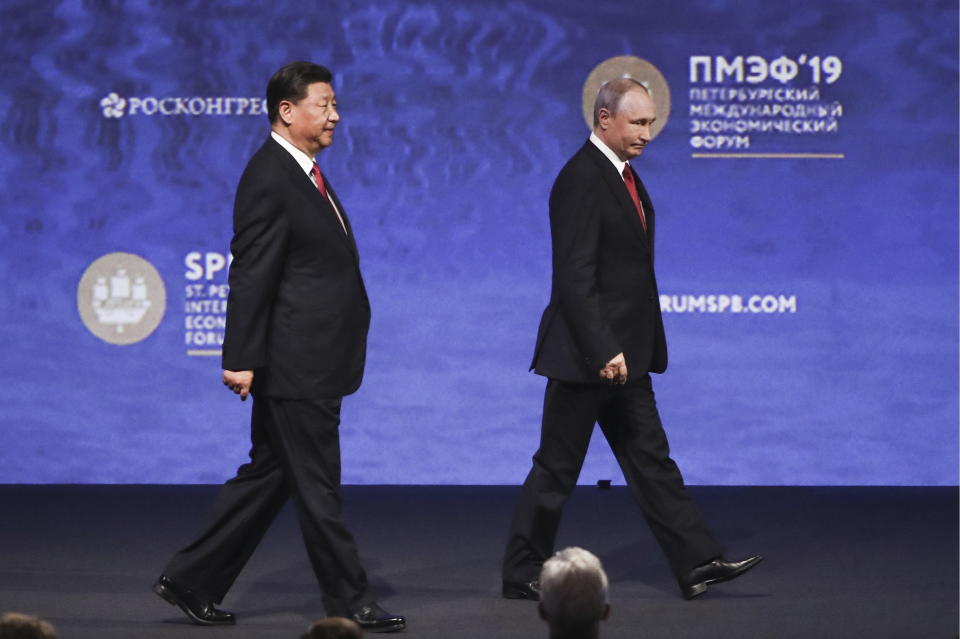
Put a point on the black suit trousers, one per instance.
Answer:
(295, 453)
(630, 422)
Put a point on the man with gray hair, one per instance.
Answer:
(603, 319)
(16, 625)
(334, 628)
(573, 594)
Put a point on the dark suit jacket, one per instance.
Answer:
(298, 312)
(604, 297)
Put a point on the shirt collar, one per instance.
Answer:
(607, 151)
(305, 161)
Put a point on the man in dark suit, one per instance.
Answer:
(602, 321)
(297, 320)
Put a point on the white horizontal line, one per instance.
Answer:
(776, 156)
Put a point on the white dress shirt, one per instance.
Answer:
(607, 151)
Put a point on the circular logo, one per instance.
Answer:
(113, 106)
(121, 298)
(628, 66)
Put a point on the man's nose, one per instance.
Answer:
(334, 115)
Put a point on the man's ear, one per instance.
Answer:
(603, 118)
(285, 109)
(606, 611)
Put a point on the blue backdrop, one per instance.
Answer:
(126, 126)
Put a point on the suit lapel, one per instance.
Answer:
(647, 209)
(615, 182)
(302, 182)
(348, 236)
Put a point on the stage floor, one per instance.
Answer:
(840, 562)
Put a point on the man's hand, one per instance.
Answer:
(239, 382)
(615, 370)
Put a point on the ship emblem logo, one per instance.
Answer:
(121, 298)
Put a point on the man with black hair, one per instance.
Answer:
(296, 333)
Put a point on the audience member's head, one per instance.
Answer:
(334, 628)
(573, 594)
(14, 625)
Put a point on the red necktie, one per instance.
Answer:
(318, 177)
(631, 183)
(322, 187)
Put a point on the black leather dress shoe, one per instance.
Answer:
(695, 582)
(516, 590)
(199, 611)
(373, 618)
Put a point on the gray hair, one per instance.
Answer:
(573, 587)
(334, 628)
(611, 94)
(16, 625)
